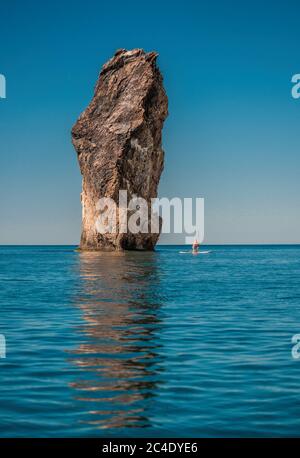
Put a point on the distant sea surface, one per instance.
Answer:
(150, 344)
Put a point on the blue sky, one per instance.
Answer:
(232, 135)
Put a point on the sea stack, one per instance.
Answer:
(118, 140)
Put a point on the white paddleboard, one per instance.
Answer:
(199, 252)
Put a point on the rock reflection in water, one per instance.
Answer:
(119, 356)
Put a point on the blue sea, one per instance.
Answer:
(150, 344)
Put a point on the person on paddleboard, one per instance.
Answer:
(195, 246)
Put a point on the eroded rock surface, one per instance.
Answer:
(118, 140)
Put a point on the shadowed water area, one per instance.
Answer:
(149, 344)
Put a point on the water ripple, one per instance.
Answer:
(149, 343)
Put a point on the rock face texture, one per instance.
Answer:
(118, 139)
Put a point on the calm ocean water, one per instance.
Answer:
(150, 344)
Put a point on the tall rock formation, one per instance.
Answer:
(118, 139)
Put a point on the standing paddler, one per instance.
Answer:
(195, 246)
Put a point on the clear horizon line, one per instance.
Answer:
(164, 244)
